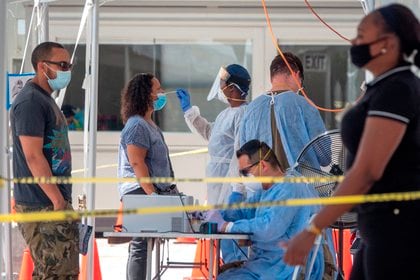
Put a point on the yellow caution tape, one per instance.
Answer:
(77, 215)
(114, 180)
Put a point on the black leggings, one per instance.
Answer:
(390, 247)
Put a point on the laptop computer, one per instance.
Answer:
(164, 222)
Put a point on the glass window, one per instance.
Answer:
(190, 66)
(331, 81)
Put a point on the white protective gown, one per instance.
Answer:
(223, 139)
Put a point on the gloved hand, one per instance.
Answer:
(184, 99)
(199, 215)
(236, 197)
(214, 216)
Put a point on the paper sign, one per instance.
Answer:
(15, 83)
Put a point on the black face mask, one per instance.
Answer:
(360, 54)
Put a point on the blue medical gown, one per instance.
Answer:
(297, 121)
(269, 226)
(223, 137)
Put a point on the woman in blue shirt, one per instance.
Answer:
(142, 153)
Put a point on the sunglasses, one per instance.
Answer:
(65, 66)
(245, 171)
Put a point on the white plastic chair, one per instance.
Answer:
(308, 272)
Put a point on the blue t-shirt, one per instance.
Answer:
(35, 113)
(137, 131)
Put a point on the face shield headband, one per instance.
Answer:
(220, 82)
(216, 90)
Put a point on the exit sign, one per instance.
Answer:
(315, 62)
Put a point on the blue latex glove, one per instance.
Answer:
(184, 99)
(236, 197)
(214, 216)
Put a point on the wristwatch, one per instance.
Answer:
(312, 228)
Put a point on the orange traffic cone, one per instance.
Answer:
(186, 240)
(97, 275)
(27, 266)
(202, 255)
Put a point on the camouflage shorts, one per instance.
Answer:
(54, 246)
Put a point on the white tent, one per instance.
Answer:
(91, 95)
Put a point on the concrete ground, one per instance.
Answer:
(113, 260)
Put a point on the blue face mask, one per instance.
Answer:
(61, 81)
(160, 102)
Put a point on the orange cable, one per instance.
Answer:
(273, 38)
(326, 24)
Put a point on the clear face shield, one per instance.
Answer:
(218, 84)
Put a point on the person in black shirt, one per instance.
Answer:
(382, 136)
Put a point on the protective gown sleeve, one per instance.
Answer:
(270, 222)
(231, 215)
(234, 164)
(196, 123)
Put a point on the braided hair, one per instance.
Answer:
(136, 96)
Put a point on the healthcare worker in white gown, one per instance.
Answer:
(231, 86)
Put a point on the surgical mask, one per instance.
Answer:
(252, 186)
(360, 54)
(61, 81)
(222, 97)
(160, 102)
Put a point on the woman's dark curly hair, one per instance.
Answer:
(135, 97)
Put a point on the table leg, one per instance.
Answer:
(149, 258)
(211, 252)
(157, 260)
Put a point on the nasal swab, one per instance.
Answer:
(165, 93)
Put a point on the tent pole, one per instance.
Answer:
(5, 229)
(93, 123)
(43, 23)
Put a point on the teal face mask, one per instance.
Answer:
(160, 102)
(61, 81)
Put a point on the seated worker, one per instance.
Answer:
(268, 225)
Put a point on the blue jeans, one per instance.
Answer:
(137, 253)
(137, 259)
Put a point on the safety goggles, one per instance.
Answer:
(65, 66)
(245, 171)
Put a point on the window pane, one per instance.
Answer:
(190, 66)
(194, 67)
(331, 81)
